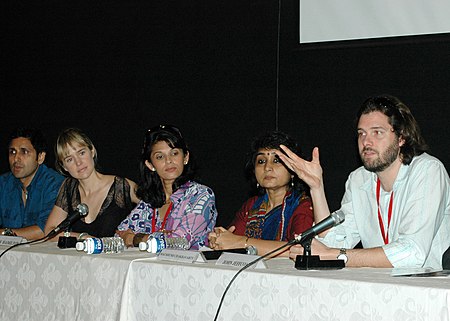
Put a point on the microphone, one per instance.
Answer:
(334, 219)
(81, 211)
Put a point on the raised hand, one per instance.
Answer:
(309, 172)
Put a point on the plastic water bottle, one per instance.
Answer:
(158, 241)
(101, 245)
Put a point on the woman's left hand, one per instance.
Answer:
(225, 239)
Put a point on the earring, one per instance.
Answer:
(257, 185)
(153, 169)
(185, 163)
(292, 181)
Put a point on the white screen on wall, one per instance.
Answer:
(337, 20)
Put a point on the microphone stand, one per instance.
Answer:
(82, 210)
(313, 262)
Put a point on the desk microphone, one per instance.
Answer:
(81, 211)
(334, 219)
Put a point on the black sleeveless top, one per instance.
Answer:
(116, 207)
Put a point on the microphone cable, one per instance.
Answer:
(82, 211)
(290, 243)
(44, 239)
(334, 219)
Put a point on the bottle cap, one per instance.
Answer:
(143, 246)
(80, 246)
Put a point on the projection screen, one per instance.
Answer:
(337, 20)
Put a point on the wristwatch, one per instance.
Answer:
(343, 255)
(8, 232)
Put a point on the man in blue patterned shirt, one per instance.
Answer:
(29, 190)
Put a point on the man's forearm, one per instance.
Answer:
(30, 232)
(374, 257)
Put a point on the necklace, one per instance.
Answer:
(25, 192)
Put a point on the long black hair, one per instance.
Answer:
(151, 189)
(272, 140)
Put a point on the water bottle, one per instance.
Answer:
(158, 241)
(96, 245)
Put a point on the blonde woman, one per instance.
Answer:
(110, 198)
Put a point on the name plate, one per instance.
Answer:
(11, 240)
(180, 256)
(422, 272)
(240, 260)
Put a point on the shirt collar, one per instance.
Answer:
(175, 197)
(401, 177)
(36, 181)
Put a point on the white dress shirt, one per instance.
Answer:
(419, 232)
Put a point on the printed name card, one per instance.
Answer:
(240, 260)
(11, 240)
(181, 256)
(422, 272)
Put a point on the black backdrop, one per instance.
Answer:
(223, 71)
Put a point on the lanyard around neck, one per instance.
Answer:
(380, 219)
(163, 225)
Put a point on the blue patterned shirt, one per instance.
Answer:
(193, 215)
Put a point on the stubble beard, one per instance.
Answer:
(384, 161)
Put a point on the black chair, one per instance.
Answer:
(446, 260)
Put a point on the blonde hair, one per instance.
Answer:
(68, 137)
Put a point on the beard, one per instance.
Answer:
(382, 162)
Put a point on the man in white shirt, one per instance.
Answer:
(397, 204)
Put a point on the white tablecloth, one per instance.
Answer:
(45, 283)
(167, 291)
(42, 282)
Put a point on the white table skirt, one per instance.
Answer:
(45, 283)
(42, 282)
(167, 291)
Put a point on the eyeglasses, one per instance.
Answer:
(169, 128)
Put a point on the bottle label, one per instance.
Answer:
(157, 244)
(93, 246)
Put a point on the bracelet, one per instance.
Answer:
(137, 239)
(80, 237)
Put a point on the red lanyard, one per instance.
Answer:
(380, 219)
(163, 225)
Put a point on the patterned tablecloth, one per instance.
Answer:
(44, 283)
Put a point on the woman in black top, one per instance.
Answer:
(110, 198)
